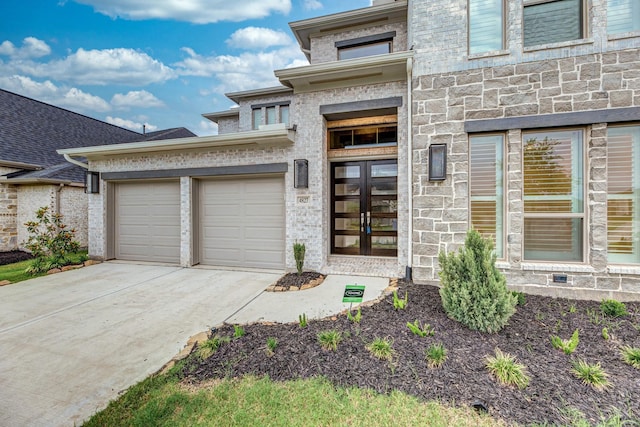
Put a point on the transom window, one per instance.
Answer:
(553, 21)
(553, 196)
(486, 178)
(623, 194)
(623, 16)
(363, 136)
(486, 26)
(376, 44)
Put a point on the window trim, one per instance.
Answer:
(263, 112)
(585, 202)
(504, 31)
(584, 25)
(505, 188)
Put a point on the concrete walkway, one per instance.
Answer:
(71, 342)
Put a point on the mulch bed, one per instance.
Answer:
(463, 379)
(296, 282)
(14, 256)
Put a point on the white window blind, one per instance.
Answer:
(553, 196)
(553, 22)
(623, 16)
(623, 194)
(485, 26)
(487, 188)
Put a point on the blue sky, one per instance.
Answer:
(156, 62)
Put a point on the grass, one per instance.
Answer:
(381, 348)
(210, 346)
(250, 401)
(16, 272)
(592, 375)
(631, 356)
(506, 370)
(436, 354)
(329, 340)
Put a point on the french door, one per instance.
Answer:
(364, 208)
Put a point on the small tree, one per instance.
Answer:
(474, 292)
(299, 250)
(49, 241)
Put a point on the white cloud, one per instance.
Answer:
(31, 48)
(70, 98)
(208, 127)
(99, 67)
(136, 98)
(258, 38)
(130, 124)
(195, 11)
(242, 72)
(312, 4)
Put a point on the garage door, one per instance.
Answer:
(242, 222)
(147, 221)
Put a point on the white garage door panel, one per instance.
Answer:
(148, 221)
(242, 222)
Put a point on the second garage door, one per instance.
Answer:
(242, 222)
(147, 221)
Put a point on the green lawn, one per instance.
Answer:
(164, 401)
(15, 272)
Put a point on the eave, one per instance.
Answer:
(19, 165)
(217, 115)
(245, 94)
(273, 135)
(352, 72)
(368, 16)
(35, 181)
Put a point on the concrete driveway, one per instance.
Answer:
(69, 343)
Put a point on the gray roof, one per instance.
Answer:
(31, 132)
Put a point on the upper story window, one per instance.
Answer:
(378, 44)
(553, 21)
(269, 114)
(623, 16)
(486, 27)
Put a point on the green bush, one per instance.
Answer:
(613, 308)
(474, 292)
(299, 250)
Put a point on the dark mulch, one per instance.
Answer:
(14, 256)
(463, 378)
(293, 279)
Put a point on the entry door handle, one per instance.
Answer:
(363, 222)
(368, 222)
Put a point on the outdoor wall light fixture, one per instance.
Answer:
(301, 173)
(437, 162)
(92, 182)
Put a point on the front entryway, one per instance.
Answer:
(364, 208)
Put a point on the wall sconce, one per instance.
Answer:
(437, 162)
(301, 173)
(92, 182)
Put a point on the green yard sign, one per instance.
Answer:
(353, 293)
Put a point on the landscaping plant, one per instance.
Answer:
(420, 330)
(436, 354)
(474, 292)
(507, 370)
(299, 250)
(592, 375)
(568, 346)
(210, 346)
(238, 331)
(520, 297)
(302, 320)
(381, 348)
(357, 318)
(631, 356)
(50, 241)
(613, 308)
(329, 340)
(400, 304)
(272, 343)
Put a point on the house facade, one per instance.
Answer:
(413, 122)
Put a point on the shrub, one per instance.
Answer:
(521, 299)
(631, 356)
(506, 370)
(400, 304)
(436, 354)
(329, 340)
(592, 375)
(474, 292)
(381, 348)
(50, 241)
(613, 308)
(568, 346)
(299, 250)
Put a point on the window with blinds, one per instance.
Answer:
(623, 194)
(553, 22)
(553, 196)
(486, 26)
(623, 16)
(486, 188)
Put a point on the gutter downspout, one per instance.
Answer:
(69, 159)
(409, 272)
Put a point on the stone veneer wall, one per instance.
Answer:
(442, 104)
(228, 125)
(8, 217)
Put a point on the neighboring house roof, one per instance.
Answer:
(31, 131)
